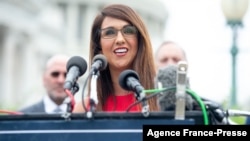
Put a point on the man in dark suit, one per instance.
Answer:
(53, 81)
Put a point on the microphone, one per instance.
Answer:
(129, 80)
(76, 67)
(167, 78)
(99, 63)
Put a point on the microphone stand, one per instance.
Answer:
(69, 100)
(93, 94)
(233, 113)
(145, 106)
(73, 90)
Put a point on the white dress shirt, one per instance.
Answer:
(50, 105)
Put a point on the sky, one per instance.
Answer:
(199, 26)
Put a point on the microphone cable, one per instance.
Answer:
(156, 92)
(201, 103)
(72, 99)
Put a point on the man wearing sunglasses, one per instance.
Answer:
(53, 80)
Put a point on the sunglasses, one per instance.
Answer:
(56, 74)
(127, 31)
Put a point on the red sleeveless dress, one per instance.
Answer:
(121, 104)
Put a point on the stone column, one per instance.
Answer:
(8, 65)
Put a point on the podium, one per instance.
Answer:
(77, 127)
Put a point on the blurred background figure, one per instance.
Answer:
(169, 53)
(53, 80)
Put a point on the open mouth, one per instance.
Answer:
(121, 51)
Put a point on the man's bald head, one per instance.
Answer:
(54, 77)
(169, 53)
(56, 59)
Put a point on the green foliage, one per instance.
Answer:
(239, 120)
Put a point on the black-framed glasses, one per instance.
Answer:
(55, 74)
(127, 31)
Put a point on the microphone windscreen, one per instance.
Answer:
(78, 62)
(103, 59)
(166, 100)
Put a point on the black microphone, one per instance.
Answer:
(166, 78)
(129, 80)
(76, 67)
(99, 63)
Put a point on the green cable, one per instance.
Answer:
(202, 105)
(190, 92)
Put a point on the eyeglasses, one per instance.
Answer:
(127, 31)
(56, 74)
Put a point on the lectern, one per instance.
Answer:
(78, 127)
